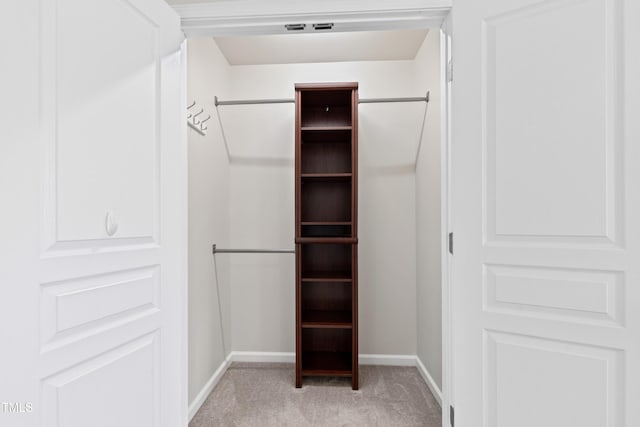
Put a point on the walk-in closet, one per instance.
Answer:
(368, 180)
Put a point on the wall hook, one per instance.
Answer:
(195, 122)
(203, 127)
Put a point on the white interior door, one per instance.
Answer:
(546, 213)
(93, 229)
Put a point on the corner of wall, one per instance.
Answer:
(428, 206)
(207, 76)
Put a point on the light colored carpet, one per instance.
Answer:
(263, 395)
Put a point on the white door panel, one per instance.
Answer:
(537, 121)
(93, 251)
(545, 270)
(99, 98)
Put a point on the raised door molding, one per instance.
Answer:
(253, 17)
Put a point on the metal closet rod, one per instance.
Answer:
(252, 251)
(291, 101)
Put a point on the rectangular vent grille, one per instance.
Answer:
(325, 26)
(295, 27)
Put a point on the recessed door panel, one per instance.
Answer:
(93, 259)
(552, 125)
(532, 382)
(545, 267)
(106, 108)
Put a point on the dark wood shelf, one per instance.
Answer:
(326, 229)
(326, 233)
(325, 128)
(327, 276)
(340, 176)
(325, 223)
(322, 363)
(340, 240)
(336, 279)
(326, 319)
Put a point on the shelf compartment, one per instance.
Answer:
(326, 304)
(325, 363)
(326, 108)
(326, 319)
(325, 199)
(319, 229)
(326, 260)
(326, 150)
(326, 351)
(327, 296)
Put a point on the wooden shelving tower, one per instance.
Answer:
(326, 231)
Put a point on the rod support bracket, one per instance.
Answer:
(213, 247)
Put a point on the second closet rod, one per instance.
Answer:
(291, 101)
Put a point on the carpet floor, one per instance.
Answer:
(263, 395)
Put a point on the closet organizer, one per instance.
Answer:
(326, 230)
(326, 225)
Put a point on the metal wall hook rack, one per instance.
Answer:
(194, 122)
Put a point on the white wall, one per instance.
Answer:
(262, 204)
(208, 75)
(428, 226)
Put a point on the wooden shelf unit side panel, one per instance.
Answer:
(299, 285)
(298, 165)
(354, 162)
(354, 230)
(354, 318)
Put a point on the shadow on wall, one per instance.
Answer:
(258, 135)
(379, 129)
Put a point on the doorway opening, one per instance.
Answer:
(245, 165)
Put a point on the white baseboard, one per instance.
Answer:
(277, 357)
(435, 390)
(208, 387)
(387, 360)
(262, 357)
(364, 359)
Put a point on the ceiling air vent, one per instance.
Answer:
(324, 26)
(295, 27)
